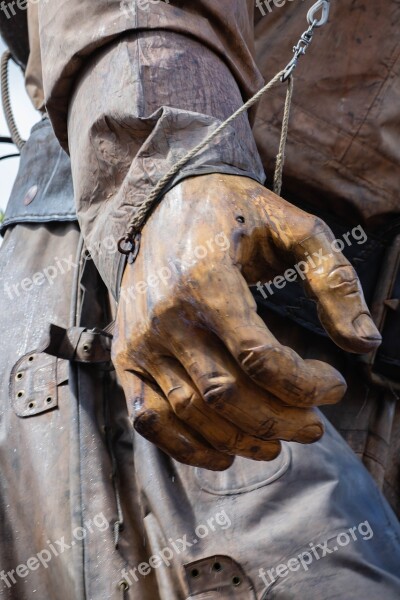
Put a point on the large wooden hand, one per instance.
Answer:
(203, 376)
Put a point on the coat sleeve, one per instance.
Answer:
(130, 87)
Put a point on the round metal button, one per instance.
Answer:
(30, 195)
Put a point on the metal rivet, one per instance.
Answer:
(31, 405)
(236, 581)
(19, 376)
(123, 585)
(195, 573)
(217, 567)
(30, 195)
(20, 394)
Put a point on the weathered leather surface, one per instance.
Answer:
(344, 125)
(343, 153)
(57, 474)
(56, 470)
(69, 38)
(55, 460)
(43, 190)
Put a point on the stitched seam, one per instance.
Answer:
(372, 187)
(381, 87)
(318, 119)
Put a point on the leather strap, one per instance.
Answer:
(79, 344)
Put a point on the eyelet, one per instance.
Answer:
(123, 585)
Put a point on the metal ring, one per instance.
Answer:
(323, 5)
(125, 241)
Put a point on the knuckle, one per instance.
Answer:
(133, 351)
(267, 429)
(319, 226)
(312, 227)
(230, 443)
(219, 391)
(308, 225)
(344, 279)
(343, 272)
(181, 400)
(257, 361)
(125, 360)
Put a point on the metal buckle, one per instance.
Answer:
(382, 303)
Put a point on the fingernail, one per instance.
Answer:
(309, 434)
(365, 328)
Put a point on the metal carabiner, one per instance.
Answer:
(323, 5)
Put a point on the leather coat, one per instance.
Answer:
(72, 470)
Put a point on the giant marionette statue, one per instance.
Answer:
(170, 325)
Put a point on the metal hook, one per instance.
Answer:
(323, 5)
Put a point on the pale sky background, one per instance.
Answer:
(25, 116)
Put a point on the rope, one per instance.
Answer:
(5, 98)
(280, 159)
(138, 220)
